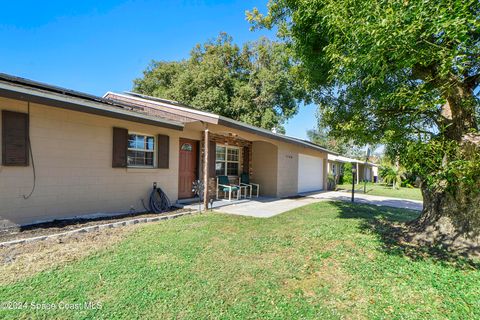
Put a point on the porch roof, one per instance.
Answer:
(338, 158)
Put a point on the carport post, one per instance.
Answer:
(358, 173)
(354, 170)
(205, 170)
(365, 171)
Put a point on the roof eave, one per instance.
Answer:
(35, 95)
(263, 132)
(220, 120)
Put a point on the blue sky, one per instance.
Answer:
(97, 46)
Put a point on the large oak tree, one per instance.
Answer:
(403, 72)
(253, 83)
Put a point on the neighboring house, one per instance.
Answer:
(365, 170)
(93, 155)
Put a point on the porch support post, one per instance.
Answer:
(206, 165)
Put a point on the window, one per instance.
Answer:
(227, 161)
(186, 147)
(141, 150)
(14, 138)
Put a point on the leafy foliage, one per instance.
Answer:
(341, 145)
(444, 160)
(392, 175)
(331, 181)
(400, 72)
(255, 83)
(347, 173)
(381, 71)
(345, 146)
(371, 59)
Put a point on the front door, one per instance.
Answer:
(187, 170)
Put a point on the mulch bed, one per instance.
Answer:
(59, 226)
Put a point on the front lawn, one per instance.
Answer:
(328, 260)
(380, 189)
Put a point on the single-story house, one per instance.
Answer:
(365, 171)
(67, 153)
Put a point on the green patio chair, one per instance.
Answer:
(245, 181)
(223, 184)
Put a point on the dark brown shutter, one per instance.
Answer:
(163, 151)
(120, 145)
(212, 149)
(14, 138)
(246, 160)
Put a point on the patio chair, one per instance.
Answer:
(245, 181)
(223, 184)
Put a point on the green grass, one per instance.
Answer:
(378, 189)
(329, 260)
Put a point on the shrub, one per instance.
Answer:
(347, 173)
(331, 183)
(392, 176)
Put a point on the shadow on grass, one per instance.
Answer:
(389, 224)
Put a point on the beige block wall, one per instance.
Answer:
(325, 172)
(288, 167)
(73, 160)
(287, 175)
(265, 165)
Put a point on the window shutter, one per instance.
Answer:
(246, 160)
(14, 138)
(163, 151)
(120, 143)
(212, 149)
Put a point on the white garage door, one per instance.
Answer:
(310, 173)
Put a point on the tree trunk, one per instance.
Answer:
(455, 211)
(451, 213)
(451, 210)
(458, 114)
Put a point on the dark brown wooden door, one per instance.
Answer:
(187, 170)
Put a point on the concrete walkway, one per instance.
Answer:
(269, 207)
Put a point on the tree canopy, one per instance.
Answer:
(253, 83)
(400, 72)
(381, 68)
(345, 147)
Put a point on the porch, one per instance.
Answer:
(230, 155)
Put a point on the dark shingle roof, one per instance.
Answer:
(38, 92)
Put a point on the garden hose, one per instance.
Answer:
(159, 201)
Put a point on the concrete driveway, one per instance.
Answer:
(369, 199)
(269, 207)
